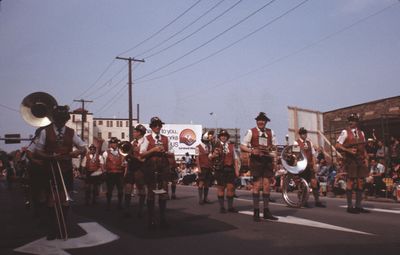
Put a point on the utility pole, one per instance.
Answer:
(83, 115)
(130, 60)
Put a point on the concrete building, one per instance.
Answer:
(380, 116)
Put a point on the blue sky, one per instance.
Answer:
(321, 55)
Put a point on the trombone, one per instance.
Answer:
(57, 199)
(36, 110)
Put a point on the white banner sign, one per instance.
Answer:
(182, 137)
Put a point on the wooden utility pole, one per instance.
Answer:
(83, 116)
(130, 60)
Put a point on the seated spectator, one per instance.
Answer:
(382, 152)
(374, 181)
(339, 185)
(371, 148)
(320, 155)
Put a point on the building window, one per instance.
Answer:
(127, 123)
(94, 123)
(100, 122)
(122, 135)
(99, 135)
(109, 135)
(111, 123)
(121, 123)
(108, 123)
(73, 118)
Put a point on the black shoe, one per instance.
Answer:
(173, 196)
(256, 215)
(272, 200)
(306, 205)
(268, 216)
(319, 204)
(232, 210)
(222, 210)
(362, 210)
(352, 210)
(235, 196)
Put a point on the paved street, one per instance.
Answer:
(201, 229)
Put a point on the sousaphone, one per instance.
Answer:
(295, 190)
(36, 109)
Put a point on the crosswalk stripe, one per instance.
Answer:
(310, 223)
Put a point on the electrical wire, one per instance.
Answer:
(183, 29)
(161, 29)
(208, 41)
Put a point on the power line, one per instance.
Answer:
(112, 100)
(196, 31)
(161, 29)
(111, 87)
(8, 108)
(183, 29)
(98, 78)
(230, 45)
(210, 40)
(298, 51)
(108, 82)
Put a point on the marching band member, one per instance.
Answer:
(156, 150)
(55, 147)
(204, 164)
(135, 175)
(173, 175)
(93, 163)
(352, 142)
(226, 170)
(115, 166)
(309, 173)
(259, 141)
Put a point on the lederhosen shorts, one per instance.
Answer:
(173, 175)
(159, 165)
(225, 176)
(205, 175)
(131, 175)
(92, 179)
(261, 167)
(355, 167)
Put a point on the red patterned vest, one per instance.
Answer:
(229, 157)
(254, 137)
(358, 143)
(114, 163)
(307, 151)
(51, 141)
(92, 164)
(204, 161)
(64, 147)
(152, 143)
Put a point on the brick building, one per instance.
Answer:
(382, 115)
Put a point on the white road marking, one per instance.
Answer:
(310, 223)
(377, 209)
(96, 235)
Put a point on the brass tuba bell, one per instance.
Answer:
(293, 159)
(36, 109)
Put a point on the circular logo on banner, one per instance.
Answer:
(187, 136)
